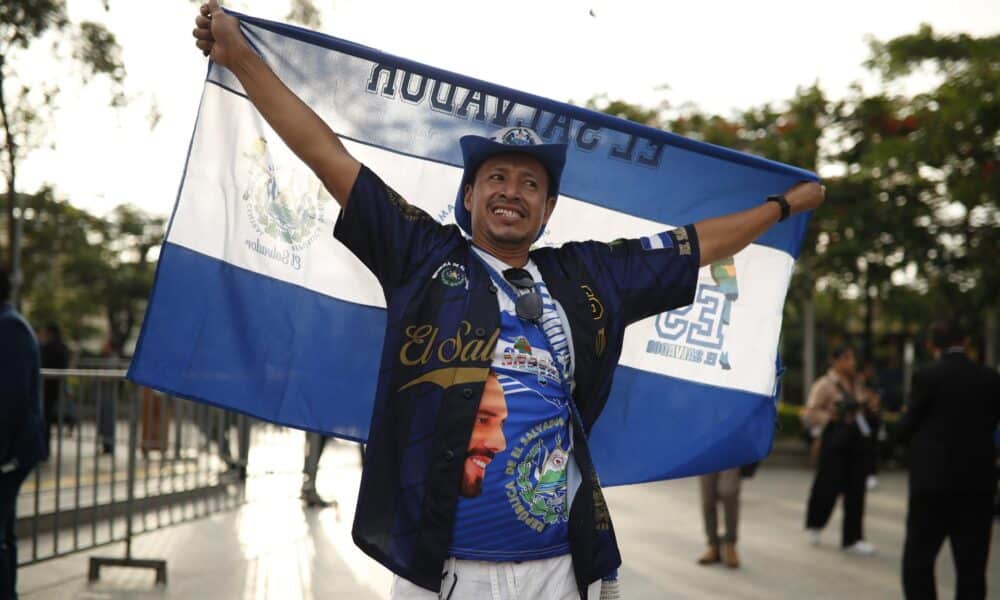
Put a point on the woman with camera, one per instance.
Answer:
(835, 415)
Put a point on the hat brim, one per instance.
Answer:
(476, 150)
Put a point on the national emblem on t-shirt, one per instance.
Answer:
(541, 481)
(452, 275)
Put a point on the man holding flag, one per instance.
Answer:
(497, 359)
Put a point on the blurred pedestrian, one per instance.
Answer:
(217, 425)
(107, 404)
(55, 355)
(22, 426)
(871, 410)
(835, 414)
(949, 424)
(724, 487)
(315, 443)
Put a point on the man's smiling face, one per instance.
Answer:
(487, 437)
(508, 201)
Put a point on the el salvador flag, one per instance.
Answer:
(257, 308)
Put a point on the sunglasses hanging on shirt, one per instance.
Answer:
(528, 305)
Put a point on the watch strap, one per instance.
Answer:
(786, 210)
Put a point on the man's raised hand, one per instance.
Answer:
(218, 34)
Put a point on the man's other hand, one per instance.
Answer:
(803, 196)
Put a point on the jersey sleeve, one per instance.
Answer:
(652, 274)
(389, 235)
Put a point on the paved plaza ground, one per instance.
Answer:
(273, 548)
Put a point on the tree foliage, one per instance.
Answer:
(26, 104)
(304, 12)
(919, 192)
(953, 145)
(92, 275)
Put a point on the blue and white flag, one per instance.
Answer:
(257, 308)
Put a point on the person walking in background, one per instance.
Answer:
(724, 487)
(107, 407)
(950, 423)
(55, 355)
(217, 425)
(315, 443)
(834, 412)
(22, 426)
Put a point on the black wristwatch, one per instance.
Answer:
(783, 203)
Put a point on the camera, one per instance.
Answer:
(846, 405)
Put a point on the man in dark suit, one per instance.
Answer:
(22, 426)
(950, 422)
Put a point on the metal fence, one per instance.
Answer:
(125, 460)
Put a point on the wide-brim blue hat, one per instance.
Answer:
(476, 149)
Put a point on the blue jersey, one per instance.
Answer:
(520, 508)
(443, 330)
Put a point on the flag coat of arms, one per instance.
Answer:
(257, 308)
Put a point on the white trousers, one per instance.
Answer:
(546, 579)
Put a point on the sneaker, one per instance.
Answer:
(814, 536)
(871, 482)
(861, 548)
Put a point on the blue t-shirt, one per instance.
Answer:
(519, 475)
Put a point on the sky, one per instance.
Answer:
(722, 56)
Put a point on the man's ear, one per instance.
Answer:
(467, 199)
(550, 205)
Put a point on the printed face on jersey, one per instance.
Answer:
(487, 437)
(508, 200)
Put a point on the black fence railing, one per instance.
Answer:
(125, 460)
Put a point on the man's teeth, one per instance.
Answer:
(504, 212)
(480, 463)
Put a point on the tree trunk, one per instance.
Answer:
(13, 220)
(867, 350)
(909, 356)
(990, 347)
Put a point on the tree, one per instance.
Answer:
(875, 234)
(80, 267)
(917, 220)
(60, 259)
(132, 240)
(26, 105)
(304, 12)
(954, 145)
